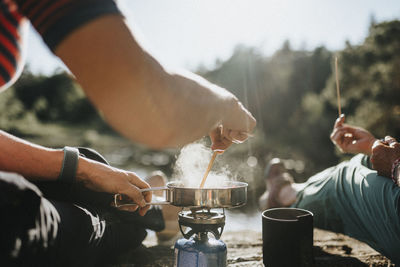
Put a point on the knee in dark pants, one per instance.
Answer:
(127, 236)
(137, 238)
(120, 238)
(19, 205)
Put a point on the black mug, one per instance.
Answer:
(287, 237)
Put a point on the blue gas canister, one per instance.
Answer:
(200, 246)
(198, 252)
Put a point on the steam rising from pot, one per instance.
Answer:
(191, 165)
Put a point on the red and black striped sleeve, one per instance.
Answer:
(10, 41)
(54, 20)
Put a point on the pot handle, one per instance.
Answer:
(121, 200)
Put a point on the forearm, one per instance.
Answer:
(136, 95)
(39, 163)
(161, 109)
(188, 108)
(30, 160)
(36, 162)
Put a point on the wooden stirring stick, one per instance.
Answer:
(337, 86)
(203, 181)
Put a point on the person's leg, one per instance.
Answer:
(163, 219)
(278, 181)
(352, 199)
(20, 203)
(38, 232)
(169, 212)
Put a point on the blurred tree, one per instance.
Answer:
(13, 107)
(370, 80)
(291, 93)
(273, 89)
(54, 99)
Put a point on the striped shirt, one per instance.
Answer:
(54, 20)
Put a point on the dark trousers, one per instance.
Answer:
(35, 231)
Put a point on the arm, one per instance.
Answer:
(140, 98)
(357, 140)
(40, 163)
(29, 160)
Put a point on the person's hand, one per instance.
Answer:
(103, 178)
(236, 127)
(351, 139)
(384, 153)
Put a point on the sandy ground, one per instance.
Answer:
(245, 249)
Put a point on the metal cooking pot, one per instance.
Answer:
(230, 194)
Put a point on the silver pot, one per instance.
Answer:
(230, 194)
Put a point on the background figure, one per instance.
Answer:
(350, 198)
(141, 99)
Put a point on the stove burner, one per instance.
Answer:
(200, 222)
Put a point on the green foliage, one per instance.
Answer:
(370, 80)
(54, 98)
(283, 93)
(36, 100)
(293, 93)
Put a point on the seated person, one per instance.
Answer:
(67, 224)
(356, 197)
(54, 204)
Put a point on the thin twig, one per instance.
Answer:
(337, 87)
(203, 181)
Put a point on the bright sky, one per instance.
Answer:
(186, 33)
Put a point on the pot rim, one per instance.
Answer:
(229, 186)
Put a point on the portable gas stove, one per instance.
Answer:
(198, 247)
(205, 216)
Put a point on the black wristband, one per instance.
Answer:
(69, 165)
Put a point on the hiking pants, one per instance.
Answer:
(353, 199)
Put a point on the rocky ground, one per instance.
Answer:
(245, 249)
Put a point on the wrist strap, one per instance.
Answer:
(69, 165)
(394, 172)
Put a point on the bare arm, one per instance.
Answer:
(31, 161)
(40, 163)
(384, 153)
(139, 97)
